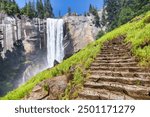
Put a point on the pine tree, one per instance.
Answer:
(119, 12)
(40, 9)
(10, 7)
(69, 11)
(48, 10)
(33, 9)
(94, 12)
(15, 8)
(24, 10)
(90, 8)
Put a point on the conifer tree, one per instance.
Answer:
(119, 12)
(40, 9)
(94, 12)
(69, 11)
(48, 10)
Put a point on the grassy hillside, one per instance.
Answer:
(137, 32)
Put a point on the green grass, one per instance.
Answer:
(137, 33)
(139, 36)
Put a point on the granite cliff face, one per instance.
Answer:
(21, 44)
(80, 31)
(24, 29)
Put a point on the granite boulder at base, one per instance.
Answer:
(50, 89)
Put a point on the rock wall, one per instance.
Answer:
(80, 31)
(22, 50)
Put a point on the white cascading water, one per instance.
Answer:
(9, 37)
(55, 49)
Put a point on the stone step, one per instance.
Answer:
(138, 92)
(115, 61)
(114, 52)
(123, 80)
(114, 43)
(113, 55)
(113, 58)
(125, 69)
(130, 64)
(81, 98)
(102, 94)
(121, 74)
(114, 49)
(109, 45)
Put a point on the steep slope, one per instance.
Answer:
(136, 33)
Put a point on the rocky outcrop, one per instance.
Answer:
(50, 89)
(80, 31)
(22, 28)
(22, 50)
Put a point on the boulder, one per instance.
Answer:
(50, 89)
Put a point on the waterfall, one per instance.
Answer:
(9, 37)
(55, 49)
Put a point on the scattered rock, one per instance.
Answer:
(56, 62)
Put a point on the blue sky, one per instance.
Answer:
(79, 6)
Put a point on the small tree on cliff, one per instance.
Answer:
(94, 12)
(69, 11)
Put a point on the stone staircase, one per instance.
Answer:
(115, 75)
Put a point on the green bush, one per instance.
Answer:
(100, 34)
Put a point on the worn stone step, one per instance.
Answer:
(114, 58)
(102, 94)
(114, 55)
(129, 64)
(138, 92)
(114, 43)
(121, 74)
(114, 52)
(123, 80)
(109, 45)
(125, 69)
(115, 61)
(82, 98)
(114, 47)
